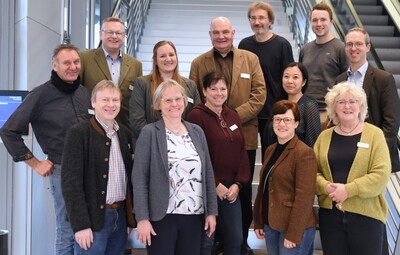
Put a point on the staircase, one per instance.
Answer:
(186, 23)
(384, 35)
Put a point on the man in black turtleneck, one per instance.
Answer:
(51, 108)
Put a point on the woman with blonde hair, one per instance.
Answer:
(353, 170)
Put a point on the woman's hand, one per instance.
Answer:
(222, 191)
(288, 244)
(84, 238)
(209, 225)
(340, 194)
(259, 233)
(232, 193)
(144, 231)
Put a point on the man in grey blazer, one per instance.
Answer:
(109, 63)
(380, 87)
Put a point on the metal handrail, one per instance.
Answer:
(137, 11)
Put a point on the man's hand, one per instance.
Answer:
(44, 167)
(84, 238)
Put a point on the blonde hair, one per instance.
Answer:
(102, 85)
(340, 89)
(158, 94)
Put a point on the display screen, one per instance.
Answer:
(9, 101)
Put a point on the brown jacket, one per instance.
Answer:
(292, 186)
(247, 94)
(94, 68)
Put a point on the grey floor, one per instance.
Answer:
(256, 252)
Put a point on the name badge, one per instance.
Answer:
(362, 145)
(190, 100)
(91, 111)
(233, 127)
(245, 75)
(131, 87)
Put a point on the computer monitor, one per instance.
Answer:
(9, 101)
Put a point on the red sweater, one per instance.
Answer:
(226, 144)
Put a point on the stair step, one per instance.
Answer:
(388, 54)
(374, 19)
(369, 9)
(392, 66)
(385, 42)
(364, 2)
(211, 13)
(374, 30)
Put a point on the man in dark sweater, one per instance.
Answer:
(51, 109)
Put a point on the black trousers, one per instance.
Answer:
(245, 198)
(177, 234)
(349, 233)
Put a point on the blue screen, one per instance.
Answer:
(9, 101)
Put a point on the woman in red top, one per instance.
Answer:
(223, 130)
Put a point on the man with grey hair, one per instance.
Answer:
(246, 95)
(51, 109)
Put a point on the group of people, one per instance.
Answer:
(174, 156)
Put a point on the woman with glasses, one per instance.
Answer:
(223, 130)
(283, 209)
(173, 180)
(165, 66)
(353, 170)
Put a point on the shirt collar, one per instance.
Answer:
(105, 127)
(106, 54)
(362, 70)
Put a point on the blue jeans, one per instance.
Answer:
(111, 239)
(64, 236)
(229, 224)
(274, 241)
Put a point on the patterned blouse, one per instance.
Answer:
(185, 182)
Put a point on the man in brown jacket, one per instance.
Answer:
(246, 95)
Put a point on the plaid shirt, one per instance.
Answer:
(116, 185)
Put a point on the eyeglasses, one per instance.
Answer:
(169, 101)
(286, 120)
(350, 45)
(259, 18)
(351, 102)
(111, 33)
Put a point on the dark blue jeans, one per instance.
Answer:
(349, 233)
(229, 224)
(274, 242)
(111, 239)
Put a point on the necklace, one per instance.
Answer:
(351, 131)
(174, 131)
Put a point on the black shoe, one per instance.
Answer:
(246, 250)
(217, 248)
(128, 251)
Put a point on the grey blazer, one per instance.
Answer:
(150, 177)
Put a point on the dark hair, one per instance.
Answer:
(323, 7)
(212, 78)
(282, 106)
(62, 47)
(303, 71)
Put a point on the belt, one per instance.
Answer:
(115, 205)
